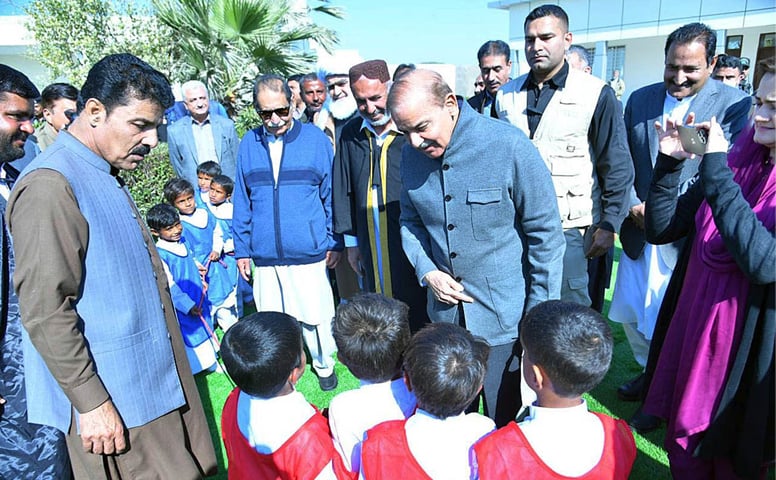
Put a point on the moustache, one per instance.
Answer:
(141, 150)
(279, 124)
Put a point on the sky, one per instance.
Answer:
(402, 31)
(417, 31)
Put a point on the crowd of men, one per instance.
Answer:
(395, 186)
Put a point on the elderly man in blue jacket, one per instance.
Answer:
(476, 224)
(283, 220)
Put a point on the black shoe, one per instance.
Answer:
(328, 383)
(632, 390)
(643, 422)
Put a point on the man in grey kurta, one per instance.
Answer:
(477, 223)
(103, 354)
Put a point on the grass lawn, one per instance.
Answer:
(651, 461)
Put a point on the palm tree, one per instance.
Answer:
(227, 43)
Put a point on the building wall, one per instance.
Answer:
(15, 47)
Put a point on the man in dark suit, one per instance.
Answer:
(201, 137)
(495, 65)
(645, 270)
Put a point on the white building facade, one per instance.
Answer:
(15, 46)
(630, 35)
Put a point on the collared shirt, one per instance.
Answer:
(275, 153)
(5, 188)
(203, 140)
(609, 148)
(487, 103)
(379, 139)
(354, 412)
(676, 109)
(538, 98)
(351, 240)
(443, 447)
(267, 423)
(569, 440)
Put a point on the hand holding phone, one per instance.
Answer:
(693, 139)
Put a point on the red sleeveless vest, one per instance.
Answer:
(386, 454)
(506, 454)
(302, 456)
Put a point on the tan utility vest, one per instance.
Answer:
(562, 141)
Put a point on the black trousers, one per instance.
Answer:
(501, 389)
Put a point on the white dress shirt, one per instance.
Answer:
(569, 440)
(354, 412)
(443, 447)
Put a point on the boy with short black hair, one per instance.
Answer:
(220, 192)
(206, 240)
(268, 428)
(567, 351)
(444, 366)
(220, 205)
(186, 287)
(371, 332)
(205, 173)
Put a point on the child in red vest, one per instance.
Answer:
(269, 429)
(567, 351)
(371, 332)
(444, 366)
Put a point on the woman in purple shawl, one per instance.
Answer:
(714, 381)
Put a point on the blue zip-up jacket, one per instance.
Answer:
(287, 222)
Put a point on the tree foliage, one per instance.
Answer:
(72, 35)
(227, 43)
(146, 182)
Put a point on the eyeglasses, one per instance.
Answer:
(280, 112)
(479, 84)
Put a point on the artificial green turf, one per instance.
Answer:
(651, 461)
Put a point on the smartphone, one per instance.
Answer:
(693, 139)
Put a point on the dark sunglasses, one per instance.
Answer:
(280, 112)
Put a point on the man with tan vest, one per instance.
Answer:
(576, 123)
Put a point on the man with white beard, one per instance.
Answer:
(342, 104)
(366, 187)
(340, 108)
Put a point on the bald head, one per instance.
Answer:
(425, 109)
(426, 84)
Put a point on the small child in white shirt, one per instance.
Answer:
(567, 351)
(220, 196)
(269, 429)
(444, 365)
(206, 239)
(371, 332)
(186, 287)
(205, 173)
